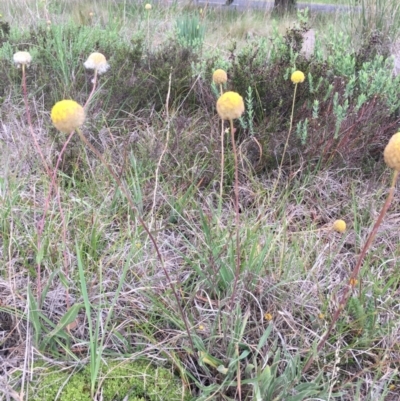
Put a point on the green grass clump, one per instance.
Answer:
(132, 381)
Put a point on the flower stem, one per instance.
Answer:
(221, 184)
(353, 277)
(45, 209)
(128, 196)
(93, 89)
(286, 143)
(237, 220)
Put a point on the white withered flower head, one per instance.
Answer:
(97, 61)
(22, 58)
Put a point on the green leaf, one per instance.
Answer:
(68, 318)
(34, 316)
(264, 337)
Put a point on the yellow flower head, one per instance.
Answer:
(268, 316)
(97, 61)
(147, 6)
(219, 76)
(297, 77)
(67, 115)
(339, 226)
(353, 282)
(391, 153)
(230, 105)
(22, 58)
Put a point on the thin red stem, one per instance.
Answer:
(353, 277)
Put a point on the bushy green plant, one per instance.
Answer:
(376, 15)
(190, 31)
(58, 53)
(340, 92)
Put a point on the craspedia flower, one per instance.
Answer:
(220, 76)
(268, 316)
(67, 115)
(22, 58)
(97, 61)
(339, 226)
(230, 105)
(297, 77)
(391, 154)
(147, 6)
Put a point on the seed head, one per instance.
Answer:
(22, 58)
(339, 226)
(67, 115)
(219, 76)
(297, 77)
(97, 61)
(230, 105)
(391, 154)
(147, 6)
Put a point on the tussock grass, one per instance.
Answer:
(105, 299)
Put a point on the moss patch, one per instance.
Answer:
(133, 381)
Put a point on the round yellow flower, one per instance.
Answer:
(220, 76)
(268, 316)
(67, 115)
(297, 77)
(391, 154)
(22, 58)
(230, 105)
(339, 226)
(147, 6)
(97, 61)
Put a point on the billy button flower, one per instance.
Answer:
(148, 7)
(220, 77)
(98, 62)
(230, 105)
(22, 58)
(339, 226)
(297, 77)
(391, 154)
(67, 116)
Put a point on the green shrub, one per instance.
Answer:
(190, 31)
